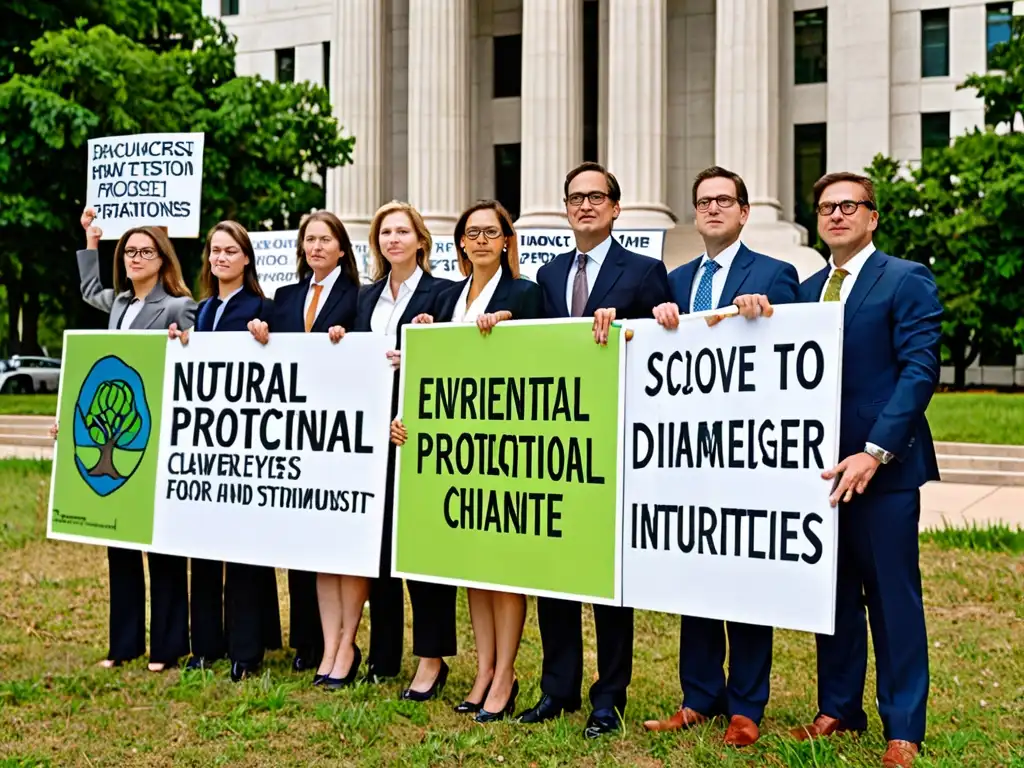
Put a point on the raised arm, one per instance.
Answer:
(93, 291)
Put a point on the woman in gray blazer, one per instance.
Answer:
(149, 294)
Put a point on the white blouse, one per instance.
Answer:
(469, 314)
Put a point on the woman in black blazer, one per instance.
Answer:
(252, 619)
(492, 292)
(324, 297)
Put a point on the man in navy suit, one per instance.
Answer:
(890, 369)
(602, 279)
(713, 281)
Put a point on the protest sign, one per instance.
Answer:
(727, 432)
(276, 259)
(509, 479)
(149, 179)
(225, 449)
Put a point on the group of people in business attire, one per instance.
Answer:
(890, 369)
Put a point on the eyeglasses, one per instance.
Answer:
(147, 253)
(596, 198)
(491, 233)
(848, 207)
(724, 201)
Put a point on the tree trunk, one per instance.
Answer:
(105, 467)
(30, 324)
(13, 286)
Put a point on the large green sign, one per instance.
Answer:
(106, 452)
(510, 475)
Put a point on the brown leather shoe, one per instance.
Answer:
(742, 732)
(900, 754)
(682, 719)
(823, 725)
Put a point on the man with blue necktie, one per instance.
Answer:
(713, 281)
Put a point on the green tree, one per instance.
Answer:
(109, 67)
(113, 421)
(961, 212)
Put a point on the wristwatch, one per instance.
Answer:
(880, 454)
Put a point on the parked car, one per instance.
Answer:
(24, 374)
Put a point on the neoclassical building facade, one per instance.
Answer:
(452, 100)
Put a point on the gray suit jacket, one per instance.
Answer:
(158, 311)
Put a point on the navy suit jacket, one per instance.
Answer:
(631, 284)
(750, 272)
(242, 308)
(890, 366)
(519, 296)
(290, 300)
(422, 300)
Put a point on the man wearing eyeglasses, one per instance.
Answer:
(715, 280)
(603, 280)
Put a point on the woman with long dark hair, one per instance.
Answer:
(149, 293)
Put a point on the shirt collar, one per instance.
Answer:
(599, 252)
(407, 288)
(234, 293)
(726, 257)
(328, 282)
(856, 264)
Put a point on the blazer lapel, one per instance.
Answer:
(501, 293)
(321, 323)
(562, 264)
(738, 273)
(150, 311)
(609, 274)
(869, 275)
(368, 302)
(420, 301)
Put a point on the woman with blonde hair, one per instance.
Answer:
(492, 292)
(149, 293)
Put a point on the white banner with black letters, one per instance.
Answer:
(727, 432)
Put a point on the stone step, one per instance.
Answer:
(13, 438)
(980, 449)
(982, 463)
(975, 477)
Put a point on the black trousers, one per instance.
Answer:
(561, 633)
(387, 597)
(306, 635)
(206, 609)
(168, 618)
(252, 613)
(433, 619)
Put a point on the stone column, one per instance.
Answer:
(358, 85)
(439, 110)
(552, 107)
(637, 101)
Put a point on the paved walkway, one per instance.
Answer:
(957, 504)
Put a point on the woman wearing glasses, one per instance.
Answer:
(492, 292)
(149, 293)
(251, 623)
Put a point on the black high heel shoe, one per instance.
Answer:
(337, 683)
(483, 716)
(467, 707)
(435, 689)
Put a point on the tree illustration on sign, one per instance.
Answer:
(113, 421)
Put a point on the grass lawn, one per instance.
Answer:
(28, 405)
(977, 417)
(58, 708)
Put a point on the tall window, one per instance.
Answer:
(327, 66)
(934, 130)
(508, 66)
(591, 78)
(285, 65)
(935, 43)
(998, 21)
(810, 40)
(809, 158)
(507, 164)
(228, 7)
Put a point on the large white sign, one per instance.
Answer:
(277, 454)
(276, 263)
(727, 432)
(150, 179)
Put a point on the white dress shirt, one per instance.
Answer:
(724, 261)
(389, 310)
(469, 314)
(594, 261)
(223, 304)
(130, 314)
(327, 283)
(853, 266)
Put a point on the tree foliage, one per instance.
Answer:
(81, 69)
(961, 212)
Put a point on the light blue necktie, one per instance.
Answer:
(702, 301)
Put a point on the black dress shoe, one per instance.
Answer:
(337, 683)
(304, 662)
(601, 722)
(548, 708)
(467, 707)
(435, 689)
(483, 716)
(198, 662)
(318, 679)
(240, 670)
